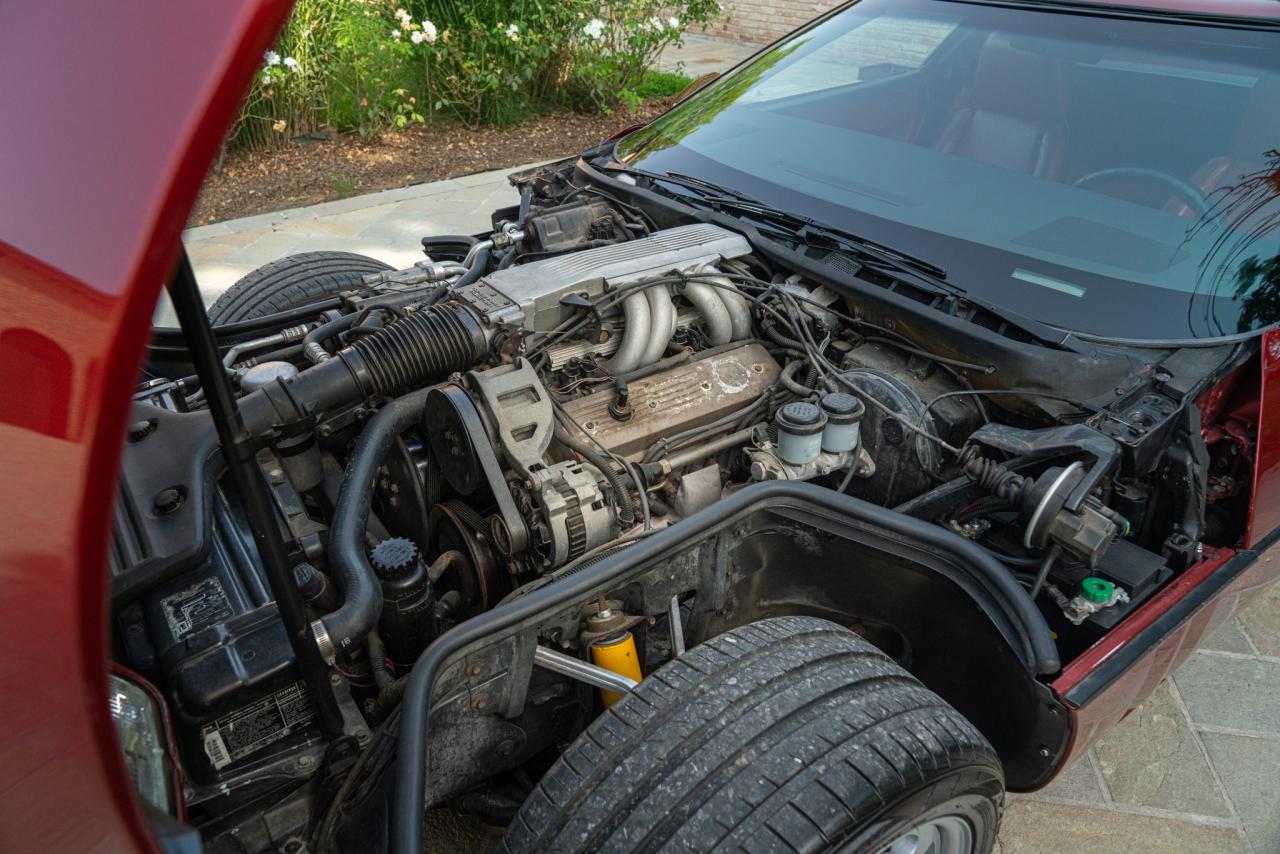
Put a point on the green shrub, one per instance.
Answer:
(367, 65)
(662, 84)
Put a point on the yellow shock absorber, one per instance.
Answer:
(618, 654)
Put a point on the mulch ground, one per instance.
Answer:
(310, 171)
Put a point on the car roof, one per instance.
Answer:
(1253, 10)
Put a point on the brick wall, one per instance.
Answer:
(761, 21)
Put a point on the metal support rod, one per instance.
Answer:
(574, 668)
(715, 446)
(677, 627)
(252, 488)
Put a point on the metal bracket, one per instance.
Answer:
(520, 409)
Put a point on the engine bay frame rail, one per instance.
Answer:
(1033, 644)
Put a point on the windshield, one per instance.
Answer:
(1117, 177)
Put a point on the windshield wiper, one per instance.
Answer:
(701, 187)
(804, 229)
(871, 254)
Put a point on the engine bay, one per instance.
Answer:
(521, 405)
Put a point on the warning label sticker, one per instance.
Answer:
(199, 606)
(249, 729)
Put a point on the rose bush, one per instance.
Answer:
(367, 65)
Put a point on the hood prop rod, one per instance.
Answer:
(246, 475)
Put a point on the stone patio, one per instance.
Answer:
(1195, 769)
(701, 55)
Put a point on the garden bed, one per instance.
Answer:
(307, 172)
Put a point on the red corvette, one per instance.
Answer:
(855, 442)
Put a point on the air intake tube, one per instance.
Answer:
(417, 350)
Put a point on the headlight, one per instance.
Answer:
(142, 739)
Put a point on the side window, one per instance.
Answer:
(880, 48)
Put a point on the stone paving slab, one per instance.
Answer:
(701, 55)
(1249, 767)
(1155, 761)
(1232, 691)
(1032, 827)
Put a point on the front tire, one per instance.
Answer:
(789, 734)
(292, 282)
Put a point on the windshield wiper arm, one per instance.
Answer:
(868, 252)
(719, 196)
(699, 186)
(715, 188)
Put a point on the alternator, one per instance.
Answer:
(576, 513)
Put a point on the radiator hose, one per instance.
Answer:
(417, 350)
(361, 605)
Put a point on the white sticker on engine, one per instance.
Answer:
(216, 750)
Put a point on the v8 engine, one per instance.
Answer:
(519, 406)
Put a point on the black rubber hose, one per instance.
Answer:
(409, 791)
(776, 336)
(789, 382)
(1050, 559)
(325, 331)
(361, 593)
(622, 495)
(171, 336)
(417, 350)
(478, 267)
(388, 698)
(382, 675)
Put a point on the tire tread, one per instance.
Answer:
(727, 749)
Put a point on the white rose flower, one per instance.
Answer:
(429, 32)
(291, 63)
(674, 23)
(513, 33)
(653, 25)
(272, 57)
(417, 38)
(594, 29)
(395, 34)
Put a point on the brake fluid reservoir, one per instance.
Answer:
(800, 427)
(844, 418)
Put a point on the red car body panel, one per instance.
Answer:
(113, 113)
(1154, 638)
(1264, 504)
